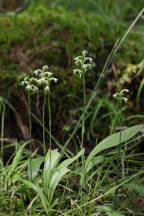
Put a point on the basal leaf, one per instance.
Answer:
(114, 140)
(33, 167)
(69, 161)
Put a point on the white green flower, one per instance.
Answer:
(119, 96)
(84, 63)
(30, 84)
(44, 78)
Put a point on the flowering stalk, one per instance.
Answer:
(83, 64)
(44, 78)
(119, 97)
(31, 88)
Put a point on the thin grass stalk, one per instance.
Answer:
(114, 188)
(84, 104)
(50, 133)
(105, 68)
(2, 131)
(30, 130)
(119, 148)
(29, 118)
(49, 110)
(83, 130)
(44, 145)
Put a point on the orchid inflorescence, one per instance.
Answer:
(84, 63)
(119, 96)
(30, 84)
(43, 79)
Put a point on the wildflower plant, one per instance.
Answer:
(41, 80)
(119, 96)
(83, 64)
(44, 78)
(30, 85)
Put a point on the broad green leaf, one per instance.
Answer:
(94, 162)
(114, 140)
(33, 167)
(52, 159)
(53, 175)
(138, 188)
(69, 161)
(55, 179)
(39, 192)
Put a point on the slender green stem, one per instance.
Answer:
(119, 154)
(83, 132)
(2, 130)
(30, 130)
(119, 146)
(49, 110)
(84, 104)
(44, 104)
(29, 118)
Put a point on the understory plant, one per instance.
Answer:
(84, 64)
(39, 81)
(52, 173)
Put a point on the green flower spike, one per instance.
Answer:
(84, 63)
(44, 78)
(29, 84)
(119, 96)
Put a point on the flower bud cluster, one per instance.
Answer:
(30, 84)
(119, 96)
(84, 63)
(43, 79)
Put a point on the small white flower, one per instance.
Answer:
(84, 53)
(28, 88)
(54, 79)
(78, 60)
(45, 67)
(36, 72)
(78, 71)
(49, 74)
(119, 96)
(47, 89)
(84, 63)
